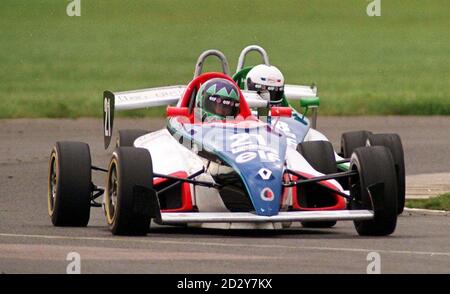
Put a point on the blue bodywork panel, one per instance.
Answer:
(256, 152)
(294, 128)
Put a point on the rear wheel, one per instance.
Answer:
(127, 195)
(127, 137)
(320, 155)
(394, 144)
(352, 140)
(69, 184)
(374, 188)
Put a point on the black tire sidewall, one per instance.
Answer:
(320, 155)
(73, 186)
(352, 140)
(375, 165)
(394, 144)
(133, 167)
(127, 137)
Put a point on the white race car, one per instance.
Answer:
(241, 173)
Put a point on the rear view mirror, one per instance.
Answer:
(309, 102)
(281, 111)
(172, 111)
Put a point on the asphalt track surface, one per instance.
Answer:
(30, 244)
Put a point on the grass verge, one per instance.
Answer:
(441, 202)
(54, 65)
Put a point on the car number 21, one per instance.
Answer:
(251, 146)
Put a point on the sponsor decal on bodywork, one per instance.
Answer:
(254, 150)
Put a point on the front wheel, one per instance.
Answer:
(128, 192)
(374, 188)
(69, 184)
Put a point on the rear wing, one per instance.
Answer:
(297, 92)
(136, 99)
(145, 98)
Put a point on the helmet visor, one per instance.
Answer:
(222, 106)
(276, 93)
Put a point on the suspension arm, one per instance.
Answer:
(189, 179)
(318, 180)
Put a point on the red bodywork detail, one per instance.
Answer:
(340, 201)
(177, 111)
(186, 200)
(196, 83)
(281, 111)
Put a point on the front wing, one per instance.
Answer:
(240, 217)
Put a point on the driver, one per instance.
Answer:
(217, 99)
(268, 81)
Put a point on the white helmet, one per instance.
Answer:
(266, 78)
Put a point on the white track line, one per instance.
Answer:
(421, 211)
(230, 245)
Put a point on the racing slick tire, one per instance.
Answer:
(320, 154)
(129, 180)
(374, 188)
(127, 137)
(352, 140)
(70, 184)
(394, 144)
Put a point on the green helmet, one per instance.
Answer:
(217, 99)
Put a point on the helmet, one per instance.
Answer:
(266, 79)
(217, 99)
